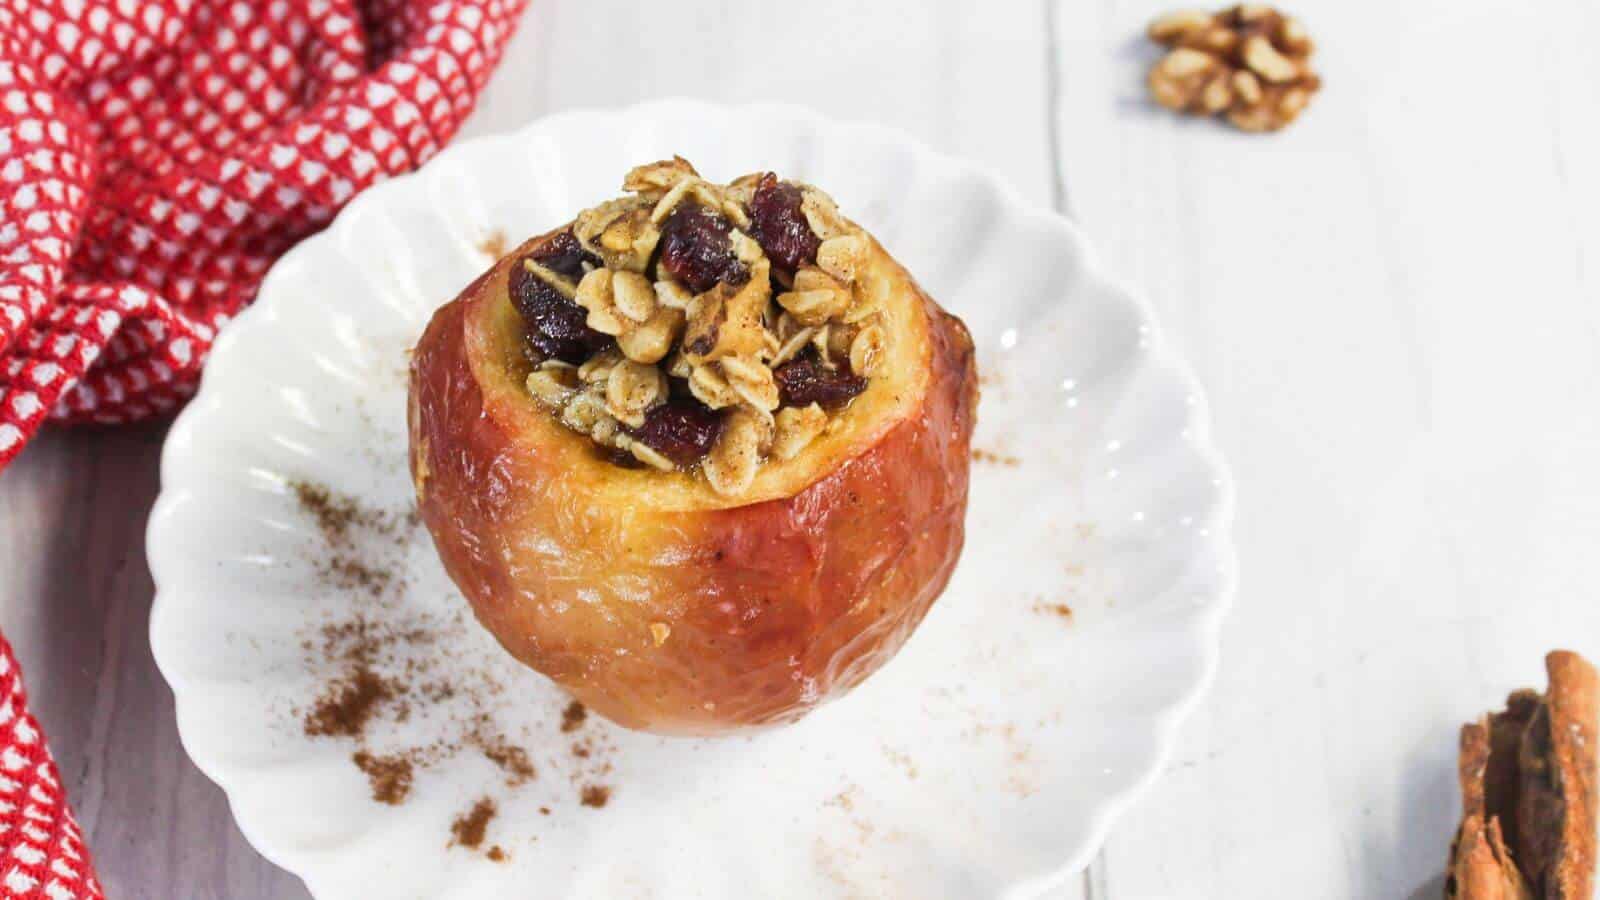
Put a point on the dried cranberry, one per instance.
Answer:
(804, 380)
(696, 250)
(779, 226)
(556, 326)
(681, 431)
(564, 254)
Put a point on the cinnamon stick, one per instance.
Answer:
(1528, 793)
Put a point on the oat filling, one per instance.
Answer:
(698, 327)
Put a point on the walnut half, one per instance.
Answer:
(1250, 63)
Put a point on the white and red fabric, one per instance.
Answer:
(42, 854)
(155, 157)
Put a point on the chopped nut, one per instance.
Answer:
(727, 321)
(650, 342)
(633, 295)
(591, 222)
(632, 389)
(673, 294)
(659, 632)
(842, 256)
(866, 351)
(795, 427)
(629, 241)
(731, 465)
(595, 295)
(1219, 62)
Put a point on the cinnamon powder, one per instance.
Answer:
(347, 705)
(390, 776)
(995, 457)
(513, 760)
(468, 829)
(1060, 610)
(381, 674)
(494, 244)
(572, 717)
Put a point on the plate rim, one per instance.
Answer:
(1104, 813)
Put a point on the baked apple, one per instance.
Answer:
(699, 456)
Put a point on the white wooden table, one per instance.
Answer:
(1395, 308)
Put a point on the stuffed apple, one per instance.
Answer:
(699, 456)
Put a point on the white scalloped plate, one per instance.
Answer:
(988, 759)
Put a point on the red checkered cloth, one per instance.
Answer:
(155, 157)
(41, 850)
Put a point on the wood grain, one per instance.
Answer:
(1392, 306)
(1393, 309)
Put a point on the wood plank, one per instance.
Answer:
(1392, 306)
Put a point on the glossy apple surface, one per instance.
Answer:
(650, 598)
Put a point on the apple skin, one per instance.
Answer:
(769, 607)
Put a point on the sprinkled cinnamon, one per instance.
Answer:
(468, 830)
(513, 760)
(347, 705)
(572, 717)
(335, 513)
(382, 659)
(351, 574)
(999, 459)
(595, 795)
(390, 776)
(494, 244)
(1054, 609)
